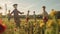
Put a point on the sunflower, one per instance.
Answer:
(42, 24)
(49, 23)
(52, 13)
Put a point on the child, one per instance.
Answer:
(27, 22)
(45, 19)
(45, 15)
(27, 16)
(34, 16)
(9, 16)
(16, 15)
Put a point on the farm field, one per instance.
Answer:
(25, 26)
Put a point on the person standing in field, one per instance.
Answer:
(34, 16)
(27, 28)
(45, 19)
(16, 15)
(27, 16)
(45, 15)
(9, 16)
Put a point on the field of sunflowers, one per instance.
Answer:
(32, 27)
(52, 26)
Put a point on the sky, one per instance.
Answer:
(32, 5)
